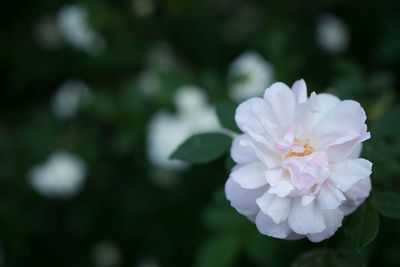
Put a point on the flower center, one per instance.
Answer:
(300, 149)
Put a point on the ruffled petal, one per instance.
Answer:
(250, 176)
(333, 220)
(243, 200)
(282, 188)
(356, 195)
(267, 156)
(356, 152)
(329, 196)
(341, 130)
(299, 89)
(340, 152)
(253, 115)
(267, 226)
(360, 190)
(275, 207)
(307, 219)
(327, 103)
(348, 173)
(242, 153)
(282, 102)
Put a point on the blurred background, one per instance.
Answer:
(96, 94)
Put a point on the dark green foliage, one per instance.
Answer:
(362, 226)
(203, 148)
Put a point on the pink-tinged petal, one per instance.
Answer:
(243, 200)
(250, 176)
(299, 89)
(302, 174)
(329, 196)
(241, 153)
(348, 173)
(282, 102)
(282, 188)
(307, 219)
(303, 180)
(275, 207)
(333, 220)
(267, 226)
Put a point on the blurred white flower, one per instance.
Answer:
(68, 98)
(165, 134)
(61, 176)
(168, 131)
(106, 254)
(47, 33)
(75, 29)
(143, 8)
(298, 169)
(189, 98)
(249, 74)
(332, 34)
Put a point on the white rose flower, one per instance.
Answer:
(248, 75)
(298, 171)
(332, 34)
(61, 176)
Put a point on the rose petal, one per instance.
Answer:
(267, 226)
(250, 176)
(329, 197)
(347, 173)
(299, 89)
(282, 102)
(333, 220)
(275, 207)
(240, 153)
(243, 200)
(307, 219)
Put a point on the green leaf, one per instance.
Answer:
(386, 203)
(219, 251)
(203, 148)
(226, 114)
(326, 258)
(362, 226)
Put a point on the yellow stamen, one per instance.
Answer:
(307, 150)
